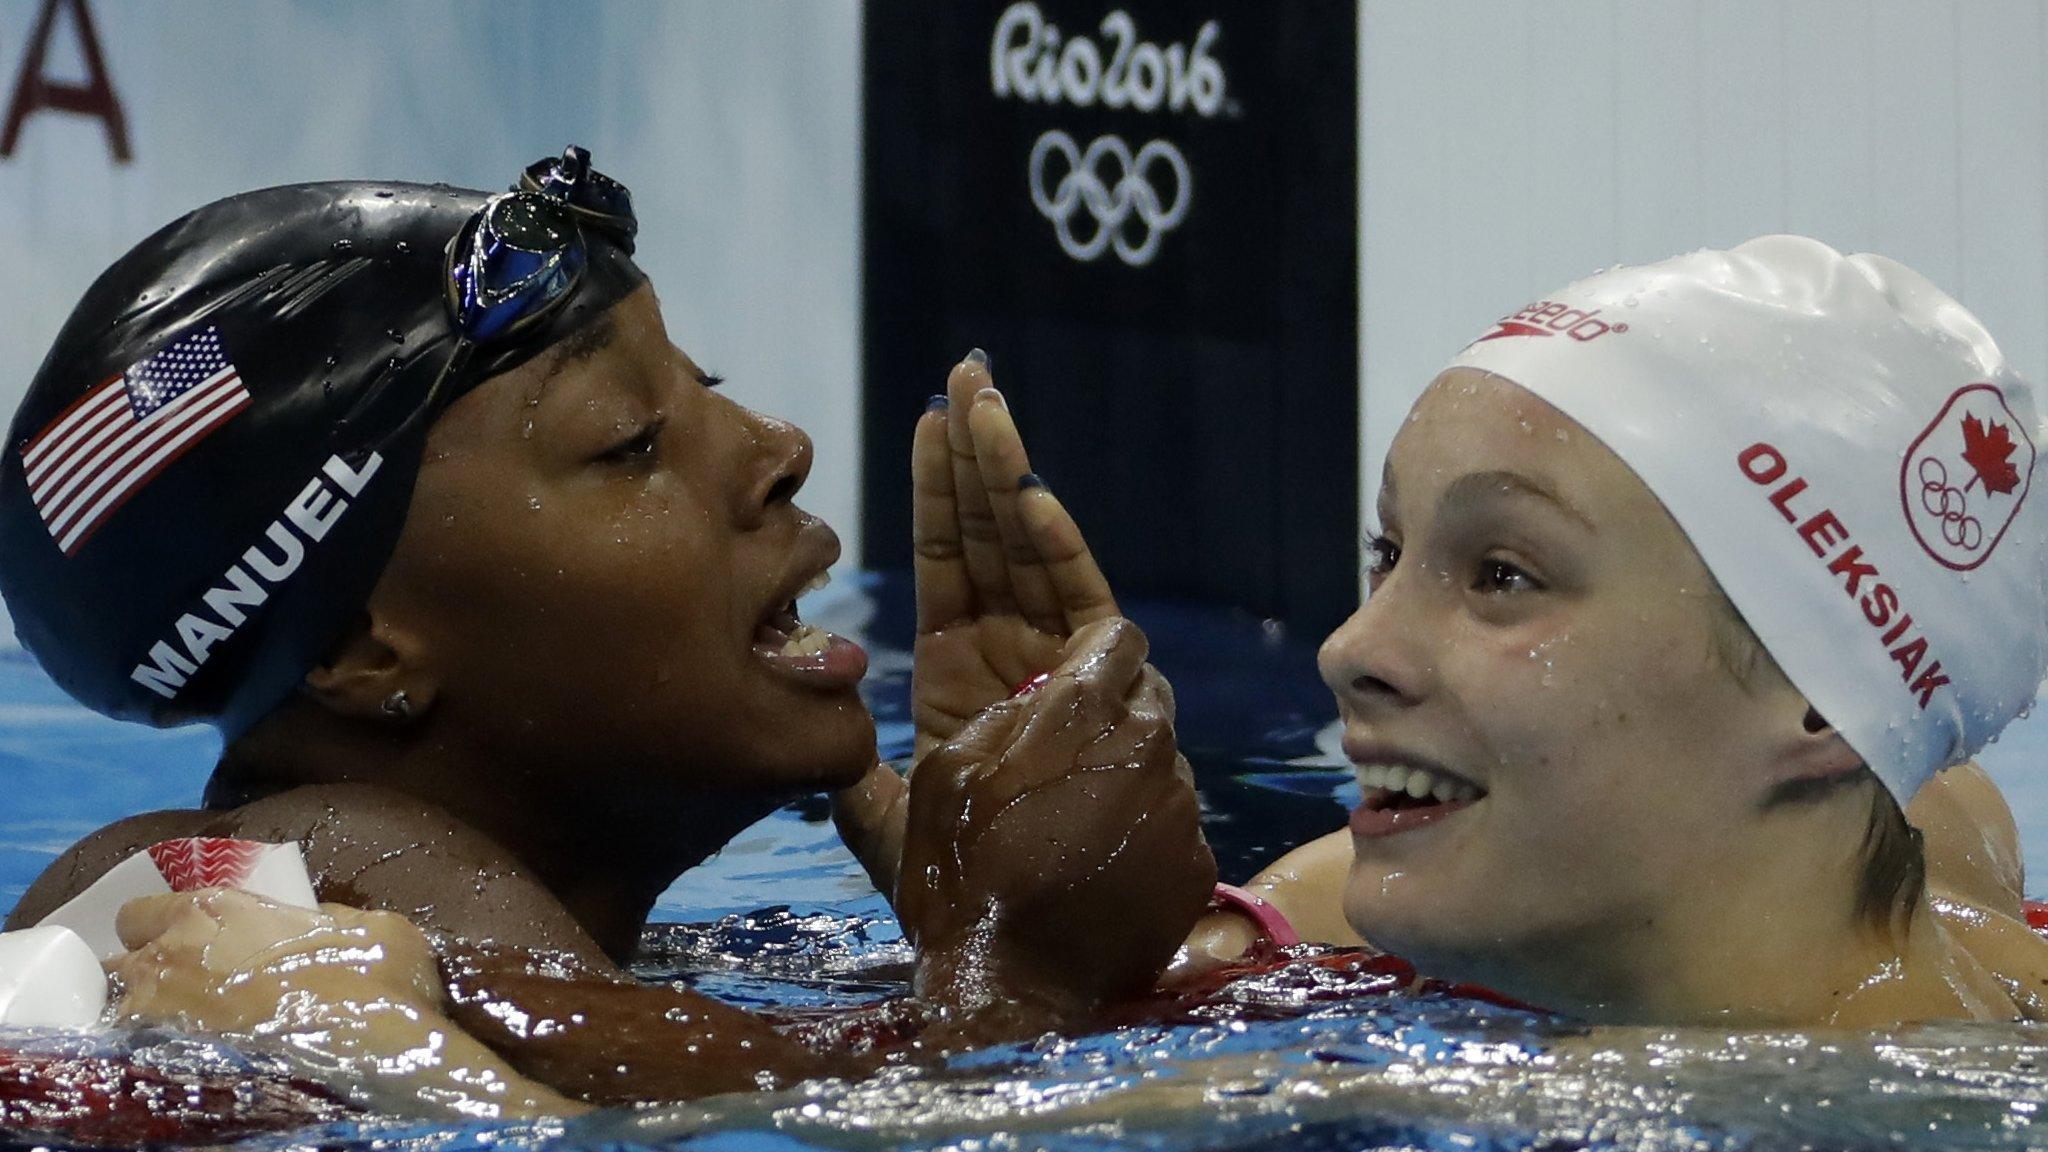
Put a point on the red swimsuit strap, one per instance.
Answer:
(2037, 915)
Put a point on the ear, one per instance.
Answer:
(378, 672)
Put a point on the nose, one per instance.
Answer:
(781, 462)
(1379, 658)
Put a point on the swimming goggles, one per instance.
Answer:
(520, 256)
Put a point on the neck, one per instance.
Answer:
(606, 857)
(1767, 964)
(1770, 939)
(609, 863)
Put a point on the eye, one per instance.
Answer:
(1381, 554)
(635, 450)
(1499, 576)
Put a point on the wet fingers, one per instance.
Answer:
(999, 453)
(170, 918)
(980, 540)
(1077, 580)
(1106, 655)
(945, 592)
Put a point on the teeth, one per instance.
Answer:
(807, 640)
(817, 582)
(1416, 782)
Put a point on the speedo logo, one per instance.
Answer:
(1547, 318)
(247, 583)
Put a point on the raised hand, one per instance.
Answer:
(1054, 853)
(1004, 580)
(1004, 577)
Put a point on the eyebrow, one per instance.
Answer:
(1475, 486)
(577, 347)
(1383, 505)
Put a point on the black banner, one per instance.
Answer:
(1146, 212)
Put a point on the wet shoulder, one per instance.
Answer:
(367, 847)
(2002, 946)
(77, 867)
(1307, 886)
(382, 850)
(1971, 841)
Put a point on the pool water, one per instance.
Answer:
(1305, 1056)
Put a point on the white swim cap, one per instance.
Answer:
(1852, 457)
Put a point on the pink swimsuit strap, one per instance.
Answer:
(1272, 923)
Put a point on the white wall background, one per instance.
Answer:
(1507, 149)
(737, 125)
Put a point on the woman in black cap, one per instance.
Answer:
(406, 489)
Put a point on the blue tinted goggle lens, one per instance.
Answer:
(512, 264)
(522, 253)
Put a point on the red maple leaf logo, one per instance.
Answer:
(1989, 454)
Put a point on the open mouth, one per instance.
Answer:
(807, 652)
(1399, 797)
(785, 633)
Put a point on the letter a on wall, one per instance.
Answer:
(34, 91)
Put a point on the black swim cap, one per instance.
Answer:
(215, 460)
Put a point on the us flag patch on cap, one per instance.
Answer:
(115, 439)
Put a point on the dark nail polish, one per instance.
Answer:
(1029, 480)
(977, 356)
(937, 403)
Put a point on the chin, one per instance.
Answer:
(1436, 927)
(835, 747)
(1515, 946)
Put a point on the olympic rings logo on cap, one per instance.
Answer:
(1950, 505)
(1965, 477)
(1111, 204)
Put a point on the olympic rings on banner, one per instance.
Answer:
(1951, 504)
(1113, 202)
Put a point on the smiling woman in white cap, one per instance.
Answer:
(1690, 577)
